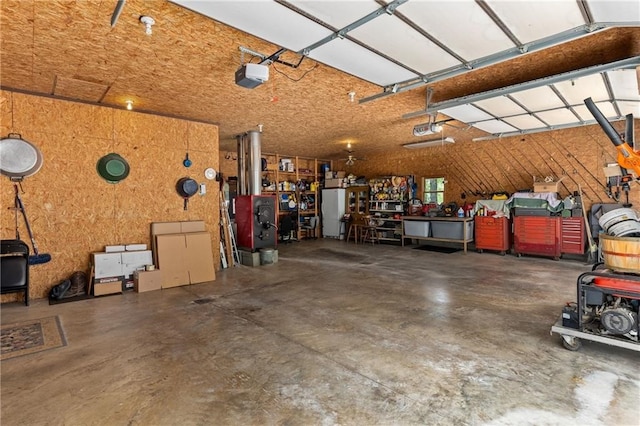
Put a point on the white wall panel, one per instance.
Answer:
(466, 113)
(577, 90)
(338, 14)
(495, 126)
(558, 117)
(624, 84)
(346, 55)
(629, 108)
(525, 122)
(533, 20)
(539, 98)
(615, 10)
(399, 41)
(265, 19)
(500, 106)
(461, 25)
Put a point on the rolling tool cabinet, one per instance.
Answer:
(537, 235)
(573, 235)
(493, 233)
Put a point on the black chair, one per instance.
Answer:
(14, 268)
(311, 227)
(287, 228)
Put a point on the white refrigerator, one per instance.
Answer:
(333, 208)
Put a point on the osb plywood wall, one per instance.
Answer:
(72, 210)
(229, 163)
(479, 169)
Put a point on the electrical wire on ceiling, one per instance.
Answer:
(273, 59)
(291, 78)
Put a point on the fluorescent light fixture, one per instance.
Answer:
(427, 129)
(432, 142)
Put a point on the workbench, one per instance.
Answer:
(445, 229)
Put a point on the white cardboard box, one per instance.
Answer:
(135, 247)
(134, 260)
(107, 264)
(114, 249)
(120, 264)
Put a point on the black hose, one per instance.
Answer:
(603, 122)
(628, 131)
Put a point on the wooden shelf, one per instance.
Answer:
(309, 170)
(384, 199)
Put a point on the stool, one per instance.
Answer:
(370, 234)
(353, 231)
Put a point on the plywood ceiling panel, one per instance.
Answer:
(74, 88)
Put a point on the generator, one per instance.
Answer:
(606, 311)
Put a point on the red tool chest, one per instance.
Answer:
(572, 232)
(492, 233)
(537, 235)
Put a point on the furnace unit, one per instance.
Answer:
(256, 221)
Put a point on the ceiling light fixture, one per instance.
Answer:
(129, 105)
(148, 22)
(433, 142)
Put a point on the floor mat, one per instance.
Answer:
(447, 250)
(28, 337)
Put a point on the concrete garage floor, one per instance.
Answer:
(333, 333)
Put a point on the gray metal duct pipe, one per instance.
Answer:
(242, 167)
(255, 163)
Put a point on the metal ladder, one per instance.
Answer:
(232, 256)
(232, 238)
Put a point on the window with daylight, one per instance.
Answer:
(433, 190)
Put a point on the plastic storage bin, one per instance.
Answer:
(451, 230)
(414, 228)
